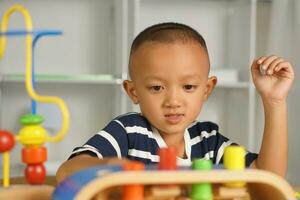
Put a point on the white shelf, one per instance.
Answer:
(96, 79)
(228, 78)
(233, 85)
(66, 78)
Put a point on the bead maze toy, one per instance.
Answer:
(134, 181)
(32, 135)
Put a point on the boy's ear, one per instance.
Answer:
(130, 90)
(210, 85)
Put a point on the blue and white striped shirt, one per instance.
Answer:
(132, 136)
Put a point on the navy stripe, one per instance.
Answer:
(102, 145)
(134, 119)
(196, 129)
(199, 150)
(87, 152)
(196, 152)
(119, 134)
(142, 142)
(220, 139)
(213, 143)
(250, 157)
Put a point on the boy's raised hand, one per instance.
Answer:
(272, 77)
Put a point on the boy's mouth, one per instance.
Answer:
(174, 118)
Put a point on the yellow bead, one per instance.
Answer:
(32, 135)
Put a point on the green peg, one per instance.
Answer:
(201, 191)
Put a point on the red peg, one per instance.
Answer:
(7, 141)
(35, 174)
(167, 159)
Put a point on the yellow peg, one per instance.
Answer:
(234, 159)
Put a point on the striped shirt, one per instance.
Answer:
(133, 137)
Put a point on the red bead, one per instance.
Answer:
(167, 159)
(7, 141)
(35, 174)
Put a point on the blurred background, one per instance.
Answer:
(86, 65)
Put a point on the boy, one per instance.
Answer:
(169, 67)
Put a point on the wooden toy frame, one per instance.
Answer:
(261, 184)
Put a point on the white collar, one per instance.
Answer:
(187, 147)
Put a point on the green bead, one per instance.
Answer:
(31, 119)
(201, 164)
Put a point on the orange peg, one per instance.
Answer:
(135, 191)
(34, 155)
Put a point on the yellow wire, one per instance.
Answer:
(28, 74)
(6, 169)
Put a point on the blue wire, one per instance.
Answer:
(37, 34)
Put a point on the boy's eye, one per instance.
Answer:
(156, 88)
(189, 88)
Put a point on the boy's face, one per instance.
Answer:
(170, 82)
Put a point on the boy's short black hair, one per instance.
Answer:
(168, 32)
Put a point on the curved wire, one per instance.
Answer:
(28, 73)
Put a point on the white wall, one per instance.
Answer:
(278, 33)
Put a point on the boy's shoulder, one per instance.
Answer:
(197, 127)
(132, 119)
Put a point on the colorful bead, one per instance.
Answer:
(31, 119)
(7, 141)
(34, 155)
(32, 135)
(35, 174)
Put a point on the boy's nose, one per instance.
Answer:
(172, 99)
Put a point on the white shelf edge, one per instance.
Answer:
(64, 78)
(233, 84)
(96, 79)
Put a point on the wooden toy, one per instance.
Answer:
(104, 182)
(86, 184)
(27, 192)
